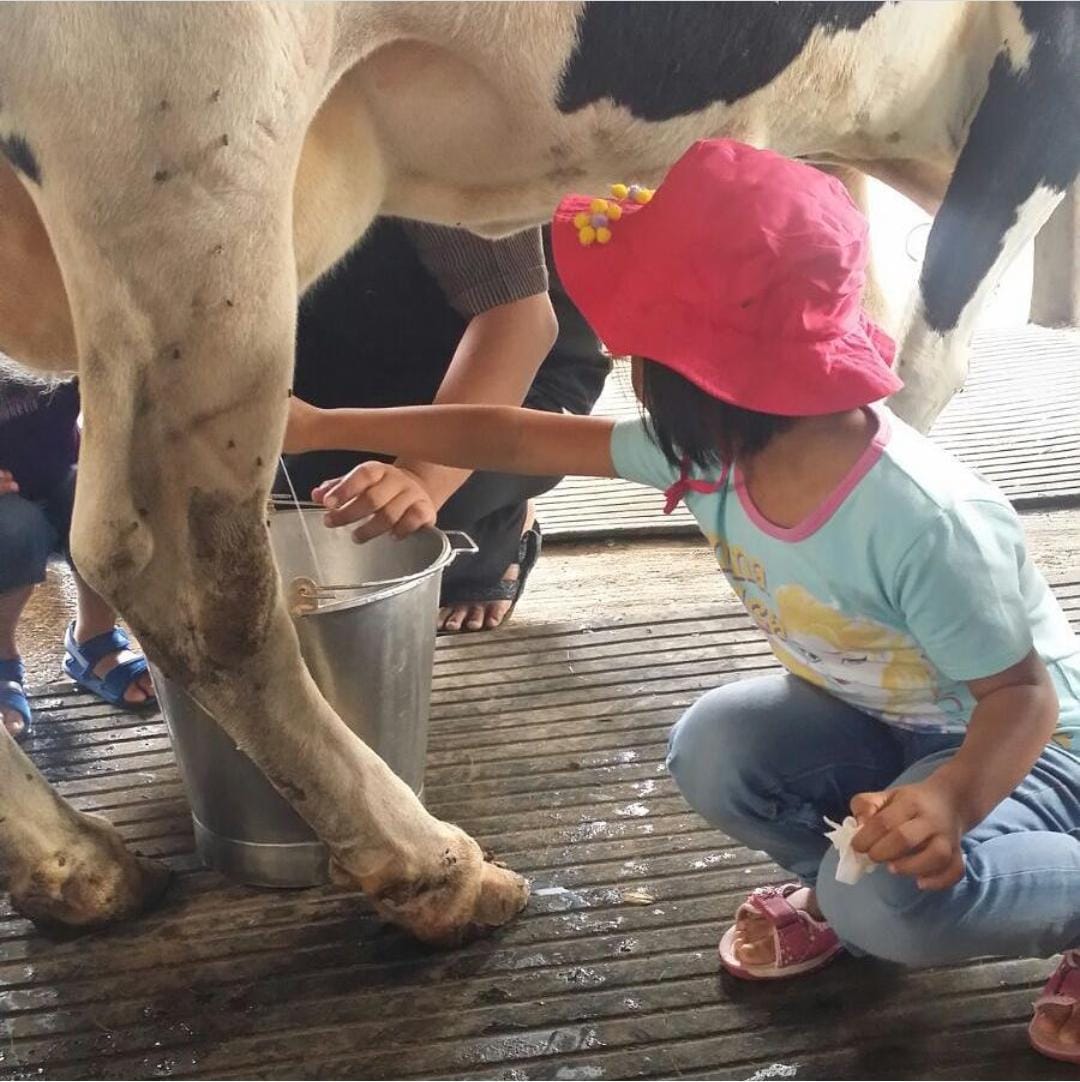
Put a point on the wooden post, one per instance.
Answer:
(1055, 290)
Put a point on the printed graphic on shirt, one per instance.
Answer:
(873, 667)
(743, 571)
(859, 660)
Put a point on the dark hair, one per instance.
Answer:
(687, 422)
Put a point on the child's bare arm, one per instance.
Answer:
(504, 438)
(1014, 719)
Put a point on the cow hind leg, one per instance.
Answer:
(1021, 154)
(1055, 289)
(59, 865)
(875, 299)
(35, 324)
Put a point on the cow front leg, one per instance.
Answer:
(1019, 158)
(180, 269)
(62, 866)
(170, 525)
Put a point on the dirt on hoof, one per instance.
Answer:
(94, 881)
(472, 896)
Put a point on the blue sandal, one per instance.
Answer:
(82, 657)
(12, 696)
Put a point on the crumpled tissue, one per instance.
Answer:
(852, 866)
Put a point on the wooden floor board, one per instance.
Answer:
(548, 743)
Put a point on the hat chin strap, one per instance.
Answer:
(675, 493)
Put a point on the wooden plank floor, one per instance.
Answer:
(547, 743)
(1016, 421)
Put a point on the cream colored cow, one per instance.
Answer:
(177, 174)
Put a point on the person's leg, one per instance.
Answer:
(766, 760)
(14, 707)
(26, 539)
(12, 603)
(486, 493)
(1017, 897)
(1019, 891)
(496, 509)
(94, 616)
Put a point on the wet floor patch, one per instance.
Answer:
(547, 743)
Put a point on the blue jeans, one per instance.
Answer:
(766, 759)
(31, 530)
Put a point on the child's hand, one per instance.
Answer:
(915, 830)
(301, 428)
(389, 497)
(8, 484)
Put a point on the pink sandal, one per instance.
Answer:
(1063, 990)
(803, 944)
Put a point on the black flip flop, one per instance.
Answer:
(483, 593)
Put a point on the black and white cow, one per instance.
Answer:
(176, 173)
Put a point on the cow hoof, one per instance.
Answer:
(91, 881)
(468, 898)
(503, 894)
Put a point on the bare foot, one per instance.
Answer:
(755, 944)
(489, 614)
(13, 721)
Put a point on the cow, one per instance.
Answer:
(176, 174)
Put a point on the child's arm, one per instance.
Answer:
(959, 587)
(1014, 719)
(503, 438)
(497, 356)
(916, 829)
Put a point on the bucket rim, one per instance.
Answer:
(447, 553)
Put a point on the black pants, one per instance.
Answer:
(34, 527)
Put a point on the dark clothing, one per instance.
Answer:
(39, 438)
(39, 444)
(379, 331)
(33, 530)
(476, 275)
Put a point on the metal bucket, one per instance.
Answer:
(369, 648)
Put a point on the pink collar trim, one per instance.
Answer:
(825, 511)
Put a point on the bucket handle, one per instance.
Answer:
(461, 544)
(304, 593)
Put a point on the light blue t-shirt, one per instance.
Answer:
(910, 580)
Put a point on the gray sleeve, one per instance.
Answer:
(477, 274)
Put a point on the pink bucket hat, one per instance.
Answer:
(744, 272)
